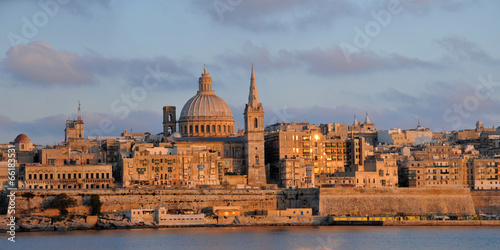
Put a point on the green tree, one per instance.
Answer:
(95, 204)
(62, 202)
(28, 196)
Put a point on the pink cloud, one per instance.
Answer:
(40, 63)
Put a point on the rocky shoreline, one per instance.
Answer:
(110, 221)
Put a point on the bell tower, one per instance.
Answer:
(169, 120)
(254, 136)
(75, 128)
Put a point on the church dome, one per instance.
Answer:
(206, 107)
(22, 138)
(206, 114)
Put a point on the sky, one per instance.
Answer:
(320, 61)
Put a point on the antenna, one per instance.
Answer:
(79, 115)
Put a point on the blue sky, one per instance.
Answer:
(321, 60)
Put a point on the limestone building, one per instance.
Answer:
(205, 147)
(75, 128)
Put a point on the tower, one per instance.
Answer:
(169, 120)
(254, 136)
(74, 128)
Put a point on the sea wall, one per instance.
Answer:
(486, 201)
(324, 201)
(121, 199)
(393, 201)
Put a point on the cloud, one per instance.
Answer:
(264, 15)
(261, 56)
(321, 61)
(336, 60)
(458, 48)
(40, 63)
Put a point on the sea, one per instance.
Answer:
(264, 237)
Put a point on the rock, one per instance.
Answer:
(61, 228)
(49, 228)
(77, 225)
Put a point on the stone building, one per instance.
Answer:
(206, 146)
(484, 173)
(254, 136)
(42, 176)
(436, 173)
(75, 129)
(297, 173)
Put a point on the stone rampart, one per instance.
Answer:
(393, 201)
(486, 201)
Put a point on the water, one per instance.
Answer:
(304, 237)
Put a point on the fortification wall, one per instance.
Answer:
(486, 201)
(371, 202)
(324, 201)
(121, 199)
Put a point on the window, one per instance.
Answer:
(208, 128)
(218, 128)
(202, 128)
(256, 122)
(191, 129)
(52, 161)
(196, 129)
(64, 176)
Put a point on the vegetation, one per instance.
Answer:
(95, 204)
(62, 202)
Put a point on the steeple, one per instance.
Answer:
(367, 119)
(253, 97)
(205, 82)
(355, 122)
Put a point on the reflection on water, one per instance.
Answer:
(303, 237)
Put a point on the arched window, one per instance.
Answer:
(169, 118)
(213, 128)
(208, 128)
(196, 129)
(218, 128)
(202, 128)
(191, 129)
(22, 146)
(224, 127)
(256, 121)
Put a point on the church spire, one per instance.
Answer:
(253, 97)
(355, 122)
(367, 120)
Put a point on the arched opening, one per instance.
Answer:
(22, 146)
(256, 122)
(224, 127)
(202, 128)
(191, 129)
(213, 128)
(256, 160)
(170, 130)
(196, 129)
(218, 128)
(208, 128)
(169, 118)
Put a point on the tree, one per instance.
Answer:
(28, 196)
(62, 202)
(95, 204)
